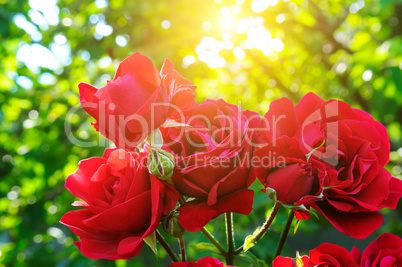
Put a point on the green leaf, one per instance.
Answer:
(151, 242)
(249, 240)
(200, 247)
(251, 258)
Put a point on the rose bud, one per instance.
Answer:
(171, 225)
(161, 164)
(291, 183)
(287, 175)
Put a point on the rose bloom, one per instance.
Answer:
(137, 101)
(282, 166)
(213, 161)
(122, 204)
(325, 255)
(356, 149)
(385, 251)
(204, 262)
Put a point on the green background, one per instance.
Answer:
(246, 52)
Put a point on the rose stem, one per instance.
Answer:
(182, 249)
(213, 241)
(229, 237)
(264, 227)
(182, 201)
(207, 234)
(285, 233)
(165, 245)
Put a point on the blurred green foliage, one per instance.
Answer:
(246, 52)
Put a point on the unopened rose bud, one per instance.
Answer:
(161, 164)
(171, 225)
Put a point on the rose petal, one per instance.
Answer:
(193, 216)
(395, 186)
(125, 217)
(89, 102)
(357, 225)
(99, 249)
(129, 244)
(279, 120)
(180, 91)
(78, 182)
(331, 255)
(356, 254)
(142, 66)
(307, 105)
(74, 220)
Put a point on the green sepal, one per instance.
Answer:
(171, 224)
(155, 139)
(296, 226)
(301, 207)
(151, 242)
(271, 193)
(314, 150)
(299, 261)
(174, 124)
(329, 187)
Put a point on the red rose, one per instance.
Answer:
(137, 101)
(385, 251)
(331, 255)
(325, 255)
(290, 262)
(282, 166)
(213, 161)
(123, 204)
(356, 149)
(204, 262)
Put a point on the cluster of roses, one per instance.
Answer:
(385, 251)
(317, 154)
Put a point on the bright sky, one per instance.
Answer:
(55, 57)
(258, 37)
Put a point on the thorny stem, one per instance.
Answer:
(229, 237)
(166, 246)
(182, 249)
(213, 241)
(264, 227)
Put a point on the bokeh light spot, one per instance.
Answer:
(166, 24)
